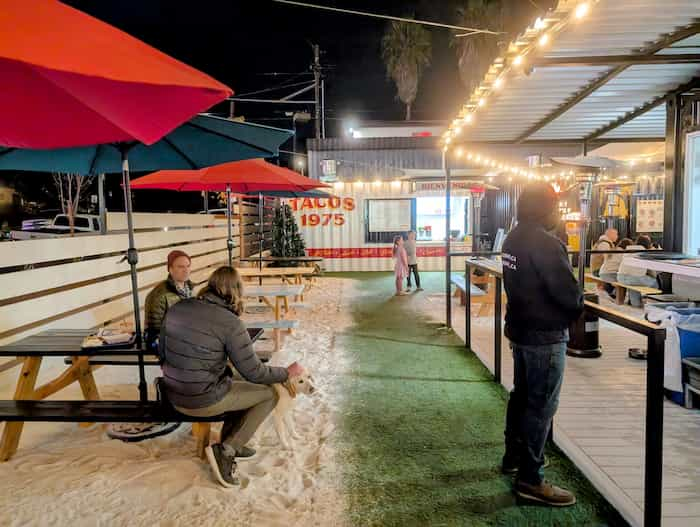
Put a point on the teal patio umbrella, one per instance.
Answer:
(203, 141)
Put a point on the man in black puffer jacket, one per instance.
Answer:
(543, 299)
(198, 338)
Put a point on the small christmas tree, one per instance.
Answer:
(286, 238)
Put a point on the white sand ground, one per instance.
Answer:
(63, 474)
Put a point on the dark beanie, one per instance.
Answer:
(174, 255)
(537, 203)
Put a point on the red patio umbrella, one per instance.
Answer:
(239, 177)
(71, 80)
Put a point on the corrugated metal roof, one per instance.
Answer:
(533, 93)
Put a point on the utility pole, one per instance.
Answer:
(316, 67)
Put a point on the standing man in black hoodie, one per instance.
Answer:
(543, 299)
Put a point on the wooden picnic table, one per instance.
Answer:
(282, 259)
(281, 294)
(58, 343)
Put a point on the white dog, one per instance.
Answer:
(286, 393)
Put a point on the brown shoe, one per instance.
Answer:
(545, 492)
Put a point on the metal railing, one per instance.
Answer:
(656, 336)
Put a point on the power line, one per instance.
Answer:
(471, 30)
(267, 90)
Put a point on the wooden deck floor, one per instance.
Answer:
(600, 422)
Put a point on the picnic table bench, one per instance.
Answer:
(621, 289)
(485, 298)
(28, 404)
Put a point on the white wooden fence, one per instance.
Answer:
(83, 282)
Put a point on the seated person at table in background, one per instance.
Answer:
(400, 264)
(410, 247)
(633, 275)
(199, 336)
(543, 299)
(606, 242)
(611, 265)
(166, 294)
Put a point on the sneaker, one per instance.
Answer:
(241, 454)
(511, 466)
(408, 289)
(545, 493)
(401, 293)
(222, 465)
(419, 289)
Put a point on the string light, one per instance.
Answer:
(518, 51)
(396, 183)
(459, 152)
(581, 10)
(377, 182)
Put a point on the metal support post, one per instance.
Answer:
(497, 330)
(448, 258)
(468, 306)
(653, 448)
(317, 90)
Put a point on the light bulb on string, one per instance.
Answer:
(581, 10)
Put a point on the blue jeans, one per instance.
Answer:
(645, 280)
(537, 378)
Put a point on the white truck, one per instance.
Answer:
(60, 226)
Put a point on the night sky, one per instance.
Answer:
(241, 42)
(238, 42)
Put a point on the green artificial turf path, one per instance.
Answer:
(421, 434)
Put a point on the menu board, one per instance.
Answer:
(650, 215)
(389, 215)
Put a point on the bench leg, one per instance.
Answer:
(201, 431)
(462, 297)
(620, 294)
(24, 390)
(86, 381)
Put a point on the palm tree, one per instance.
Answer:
(406, 51)
(475, 53)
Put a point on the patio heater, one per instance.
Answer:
(583, 332)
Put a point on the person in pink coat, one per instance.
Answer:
(400, 264)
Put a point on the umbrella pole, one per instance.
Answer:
(260, 245)
(229, 240)
(132, 257)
